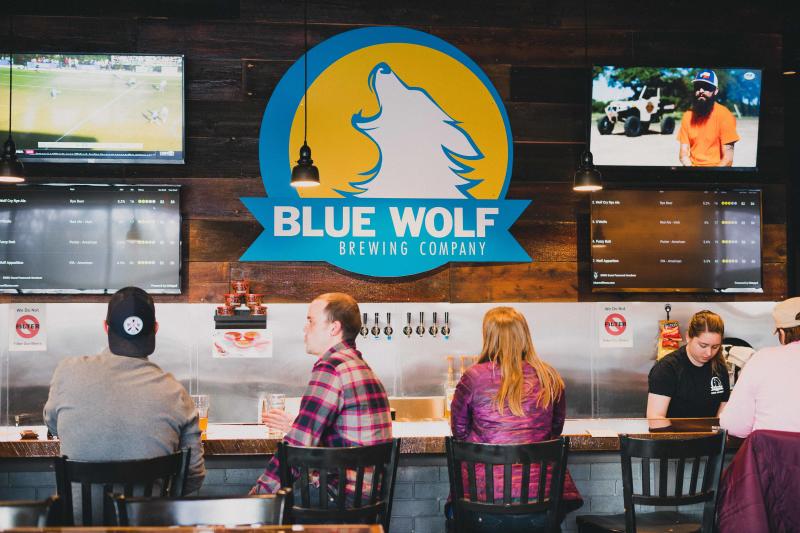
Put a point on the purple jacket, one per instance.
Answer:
(475, 419)
(760, 489)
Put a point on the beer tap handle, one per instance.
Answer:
(421, 326)
(407, 330)
(446, 328)
(388, 329)
(376, 329)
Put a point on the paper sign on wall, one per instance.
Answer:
(27, 332)
(234, 343)
(615, 332)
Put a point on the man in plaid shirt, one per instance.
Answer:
(344, 403)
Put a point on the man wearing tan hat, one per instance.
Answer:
(767, 394)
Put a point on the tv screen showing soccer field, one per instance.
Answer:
(675, 117)
(95, 108)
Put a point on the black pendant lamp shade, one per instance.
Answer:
(11, 168)
(305, 174)
(587, 177)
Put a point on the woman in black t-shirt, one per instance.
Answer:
(692, 381)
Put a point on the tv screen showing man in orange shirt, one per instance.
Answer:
(708, 131)
(639, 112)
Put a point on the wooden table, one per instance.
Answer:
(207, 529)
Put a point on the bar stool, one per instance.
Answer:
(29, 513)
(166, 475)
(356, 484)
(707, 450)
(262, 510)
(524, 460)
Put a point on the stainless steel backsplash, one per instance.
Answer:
(601, 382)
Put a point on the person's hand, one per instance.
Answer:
(277, 420)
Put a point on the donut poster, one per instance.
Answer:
(237, 343)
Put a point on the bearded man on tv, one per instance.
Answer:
(708, 131)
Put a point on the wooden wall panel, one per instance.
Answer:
(548, 123)
(406, 13)
(537, 281)
(213, 79)
(301, 282)
(532, 51)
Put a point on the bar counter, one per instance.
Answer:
(237, 453)
(420, 437)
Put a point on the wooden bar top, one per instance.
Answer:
(422, 437)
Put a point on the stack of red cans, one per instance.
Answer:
(239, 297)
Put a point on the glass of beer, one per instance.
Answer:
(276, 401)
(202, 403)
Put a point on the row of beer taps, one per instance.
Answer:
(408, 330)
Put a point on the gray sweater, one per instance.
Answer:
(114, 408)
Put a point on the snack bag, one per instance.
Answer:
(669, 337)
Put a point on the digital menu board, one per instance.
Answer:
(670, 240)
(89, 238)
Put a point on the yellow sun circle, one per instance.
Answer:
(342, 153)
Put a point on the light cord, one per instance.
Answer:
(305, 72)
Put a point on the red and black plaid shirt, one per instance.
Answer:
(344, 405)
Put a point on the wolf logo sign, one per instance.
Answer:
(415, 157)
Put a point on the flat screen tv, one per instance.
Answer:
(95, 108)
(641, 117)
(57, 239)
(676, 240)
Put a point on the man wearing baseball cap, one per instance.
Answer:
(766, 395)
(117, 405)
(708, 131)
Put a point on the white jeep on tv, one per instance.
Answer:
(637, 114)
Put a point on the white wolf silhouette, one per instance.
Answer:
(418, 144)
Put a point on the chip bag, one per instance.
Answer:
(669, 337)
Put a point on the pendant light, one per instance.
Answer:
(587, 178)
(11, 168)
(305, 174)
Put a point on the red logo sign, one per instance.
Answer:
(27, 326)
(615, 324)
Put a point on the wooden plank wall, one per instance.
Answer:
(236, 51)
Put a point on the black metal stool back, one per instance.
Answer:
(657, 454)
(201, 511)
(162, 476)
(539, 457)
(28, 513)
(368, 470)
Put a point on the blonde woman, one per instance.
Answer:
(511, 396)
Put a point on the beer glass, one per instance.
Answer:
(202, 403)
(276, 401)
